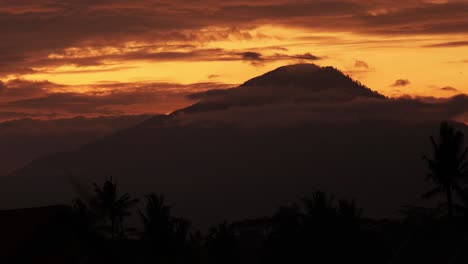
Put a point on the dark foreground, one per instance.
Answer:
(317, 229)
(322, 228)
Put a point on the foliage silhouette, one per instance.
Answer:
(157, 221)
(320, 228)
(222, 244)
(114, 207)
(449, 165)
(331, 231)
(168, 236)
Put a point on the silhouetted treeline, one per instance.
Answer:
(319, 228)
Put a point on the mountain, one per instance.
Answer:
(298, 83)
(238, 153)
(310, 78)
(24, 140)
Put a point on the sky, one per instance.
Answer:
(62, 58)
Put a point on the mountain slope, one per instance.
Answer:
(23, 140)
(311, 78)
(300, 83)
(244, 160)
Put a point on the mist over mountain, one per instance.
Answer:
(300, 83)
(23, 140)
(243, 151)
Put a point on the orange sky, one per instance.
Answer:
(70, 57)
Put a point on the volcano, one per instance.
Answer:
(298, 83)
(241, 152)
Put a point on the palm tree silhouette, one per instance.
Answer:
(157, 222)
(448, 165)
(167, 236)
(320, 227)
(320, 204)
(114, 207)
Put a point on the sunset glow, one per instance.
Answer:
(234, 131)
(397, 48)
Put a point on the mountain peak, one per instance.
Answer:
(311, 78)
(295, 69)
(293, 83)
(289, 73)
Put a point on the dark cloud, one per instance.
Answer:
(256, 58)
(448, 89)
(35, 29)
(19, 88)
(79, 70)
(45, 100)
(416, 18)
(448, 44)
(111, 61)
(145, 54)
(359, 70)
(213, 76)
(405, 110)
(252, 56)
(401, 82)
(305, 56)
(361, 64)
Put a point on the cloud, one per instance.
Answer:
(257, 58)
(448, 89)
(252, 56)
(401, 82)
(361, 64)
(19, 88)
(416, 18)
(90, 57)
(448, 44)
(35, 29)
(45, 100)
(305, 56)
(285, 113)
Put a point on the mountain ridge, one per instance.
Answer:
(213, 167)
(297, 83)
(299, 75)
(24, 140)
